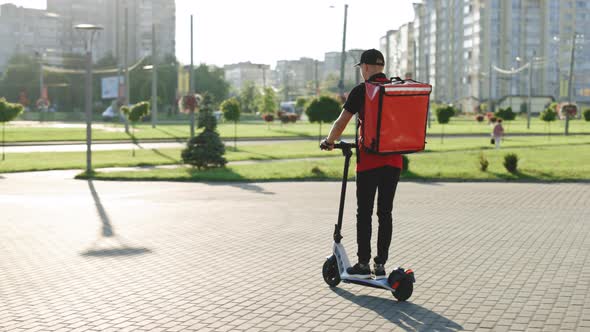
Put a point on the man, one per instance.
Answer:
(374, 173)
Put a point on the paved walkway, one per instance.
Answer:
(111, 256)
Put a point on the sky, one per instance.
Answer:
(265, 31)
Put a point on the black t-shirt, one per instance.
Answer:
(356, 98)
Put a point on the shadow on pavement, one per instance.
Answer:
(245, 186)
(406, 315)
(108, 243)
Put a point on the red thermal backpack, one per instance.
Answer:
(394, 117)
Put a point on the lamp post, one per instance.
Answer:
(91, 32)
(570, 83)
(343, 55)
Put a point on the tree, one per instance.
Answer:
(134, 114)
(443, 116)
(549, 115)
(323, 109)
(248, 97)
(300, 104)
(211, 80)
(205, 150)
(190, 103)
(8, 112)
(267, 104)
(21, 75)
(506, 114)
(231, 112)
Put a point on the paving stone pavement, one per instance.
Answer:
(114, 256)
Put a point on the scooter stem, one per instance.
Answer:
(347, 152)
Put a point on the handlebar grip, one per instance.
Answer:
(344, 145)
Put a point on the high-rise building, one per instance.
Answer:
(111, 15)
(238, 74)
(26, 31)
(397, 47)
(471, 50)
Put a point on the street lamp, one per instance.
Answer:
(343, 55)
(571, 80)
(91, 32)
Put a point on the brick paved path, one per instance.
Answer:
(111, 256)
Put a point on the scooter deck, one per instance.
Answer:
(376, 283)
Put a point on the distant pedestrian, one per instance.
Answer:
(498, 133)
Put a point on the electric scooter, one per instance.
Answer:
(400, 282)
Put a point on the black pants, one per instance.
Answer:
(383, 179)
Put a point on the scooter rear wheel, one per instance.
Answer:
(330, 272)
(404, 290)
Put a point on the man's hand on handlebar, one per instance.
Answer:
(325, 145)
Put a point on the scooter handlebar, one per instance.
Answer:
(344, 145)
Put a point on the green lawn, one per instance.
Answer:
(16, 132)
(551, 163)
(16, 162)
(288, 150)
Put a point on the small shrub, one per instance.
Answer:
(284, 118)
(586, 114)
(479, 118)
(506, 114)
(317, 171)
(405, 164)
(483, 162)
(268, 117)
(511, 162)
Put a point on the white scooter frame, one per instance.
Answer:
(399, 282)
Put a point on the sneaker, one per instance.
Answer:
(359, 270)
(379, 271)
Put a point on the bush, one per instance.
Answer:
(548, 115)
(405, 164)
(137, 112)
(268, 117)
(288, 117)
(506, 114)
(444, 114)
(206, 149)
(483, 162)
(586, 114)
(479, 118)
(511, 162)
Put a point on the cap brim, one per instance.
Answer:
(357, 65)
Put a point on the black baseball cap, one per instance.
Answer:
(372, 57)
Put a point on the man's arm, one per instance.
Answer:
(339, 126)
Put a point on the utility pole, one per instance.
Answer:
(126, 65)
(90, 31)
(428, 81)
(41, 76)
(530, 104)
(490, 86)
(154, 79)
(191, 83)
(115, 104)
(343, 56)
(570, 83)
(317, 81)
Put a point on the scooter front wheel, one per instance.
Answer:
(330, 272)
